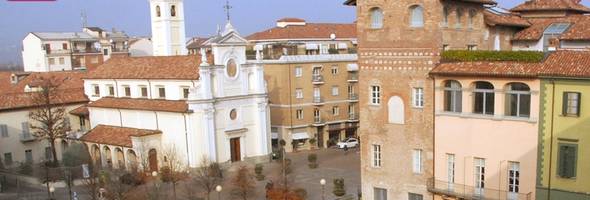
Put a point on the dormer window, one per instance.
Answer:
(173, 11)
(158, 13)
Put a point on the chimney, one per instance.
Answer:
(553, 44)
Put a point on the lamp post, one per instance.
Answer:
(155, 176)
(52, 191)
(218, 189)
(323, 183)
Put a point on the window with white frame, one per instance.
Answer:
(571, 103)
(417, 161)
(161, 92)
(335, 90)
(143, 91)
(453, 98)
(483, 98)
(185, 91)
(416, 16)
(375, 95)
(379, 193)
(298, 71)
(299, 113)
(127, 91)
(414, 196)
(471, 47)
(3, 130)
(376, 18)
(334, 70)
(111, 90)
(451, 168)
(513, 177)
(418, 97)
(518, 100)
(62, 60)
(479, 175)
(376, 155)
(95, 90)
(299, 93)
(29, 156)
(51, 61)
(335, 110)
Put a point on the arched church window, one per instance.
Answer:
(158, 13)
(232, 68)
(173, 11)
(416, 16)
(376, 18)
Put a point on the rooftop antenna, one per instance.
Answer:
(84, 19)
(227, 8)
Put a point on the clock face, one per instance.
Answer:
(231, 68)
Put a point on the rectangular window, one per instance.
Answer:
(96, 90)
(445, 47)
(8, 159)
(299, 114)
(62, 61)
(144, 91)
(471, 47)
(48, 154)
(484, 101)
(376, 155)
(413, 196)
(418, 97)
(29, 156)
(105, 52)
(111, 90)
(298, 71)
(64, 46)
(25, 128)
(161, 92)
(375, 95)
(480, 177)
(335, 91)
(566, 162)
(51, 61)
(571, 103)
(451, 168)
(334, 70)
(127, 90)
(453, 99)
(379, 194)
(335, 110)
(3, 130)
(299, 93)
(417, 161)
(185, 92)
(513, 177)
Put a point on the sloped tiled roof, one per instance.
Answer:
(539, 5)
(117, 136)
(290, 19)
(504, 19)
(308, 31)
(151, 67)
(64, 35)
(567, 64)
(353, 2)
(80, 111)
(141, 104)
(13, 101)
(196, 42)
(578, 30)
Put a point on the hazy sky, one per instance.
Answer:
(132, 16)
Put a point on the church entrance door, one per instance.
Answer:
(234, 144)
(153, 160)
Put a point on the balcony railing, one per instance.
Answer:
(470, 192)
(57, 51)
(120, 50)
(317, 120)
(91, 50)
(317, 79)
(353, 116)
(318, 100)
(353, 77)
(353, 96)
(26, 137)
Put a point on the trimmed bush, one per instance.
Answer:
(469, 56)
(313, 160)
(339, 189)
(258, 170)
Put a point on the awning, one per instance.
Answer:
(352, 67)
(299, 136)
(312, 46)
(274, 135)
(342, 46)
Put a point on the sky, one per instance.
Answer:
(132, 16)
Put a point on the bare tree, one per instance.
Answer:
(49, 116)
(116, 187)
(92, 184)
(174, 170)
(243, 183)
(208, 176)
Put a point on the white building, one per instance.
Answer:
(168, 34)
(141, 46)
(143, 108)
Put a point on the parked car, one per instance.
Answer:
(349, 143)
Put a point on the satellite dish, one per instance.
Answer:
(332, 36)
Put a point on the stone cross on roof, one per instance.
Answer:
(227, 8)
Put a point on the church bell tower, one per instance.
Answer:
(168, 33)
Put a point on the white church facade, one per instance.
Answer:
(144, 109)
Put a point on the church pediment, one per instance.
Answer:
(232, 38)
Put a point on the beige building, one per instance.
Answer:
(17, 142)
(312, 96)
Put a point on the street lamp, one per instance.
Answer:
(51, 191)
(323, 183)
(218, 189)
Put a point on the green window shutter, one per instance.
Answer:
(564, 104)
(561, 160)
(573, 157)
(579, 103)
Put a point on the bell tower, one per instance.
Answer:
(168, 32)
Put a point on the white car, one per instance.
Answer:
(349, 142)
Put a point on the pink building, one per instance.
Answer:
(486, 125)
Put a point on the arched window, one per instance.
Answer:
(472, 14)
(416, 16)
(483, 98)
(376, 18)
(173, 11)
(453, 96)
(446, 16)
(518, 100)
(459, 16)
(395, 108)
(158, 13)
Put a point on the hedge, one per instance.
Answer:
(468, 56)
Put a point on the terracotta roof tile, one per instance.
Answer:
(308, 31)
(578, 30)
(152, 67)
(567, 64)
(141, 104)
(291, 19)
(196, 42)
(80, 111)
(114, 135)
(24, 100)
(494, 19)
(536, 5)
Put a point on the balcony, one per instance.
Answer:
(57, 51)
(461, 191)
(87, 50)
(317, 79)
(119, 50)
(318, 121)
(353, 77)
(353, 117)
(27, 137)
(318, 101)
(353, 97)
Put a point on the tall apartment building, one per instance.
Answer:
(311, 75)
(59, 51)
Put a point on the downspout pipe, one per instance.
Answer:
(551, 139)
(188, 159)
